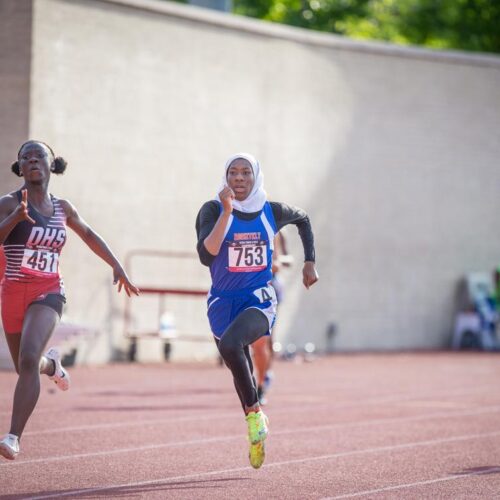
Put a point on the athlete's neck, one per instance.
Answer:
(38, 195)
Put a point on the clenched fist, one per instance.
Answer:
(226, 197)
(309, 274)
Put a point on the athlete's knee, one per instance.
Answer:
(29, 362)
(229, 349)
(260, 346)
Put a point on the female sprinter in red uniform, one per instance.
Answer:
(33, 232)
(235, 239)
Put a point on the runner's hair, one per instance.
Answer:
(58, 165)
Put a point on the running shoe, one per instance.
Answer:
(61, 377)
(257, 433)
(9, 446)
(257, 454)
(257, 426)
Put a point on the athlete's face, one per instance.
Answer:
(35, 160)
(240, 178)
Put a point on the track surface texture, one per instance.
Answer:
(398, 426)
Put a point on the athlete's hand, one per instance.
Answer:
(309, 274)
(226, 197)
(21, 211)
(120, 277)
(275, 266)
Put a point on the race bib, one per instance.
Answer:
(266, 294)
(43, 263)
(247, 258)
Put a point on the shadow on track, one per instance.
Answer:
(123, 491)
(486, 469)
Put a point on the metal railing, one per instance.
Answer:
(162, 293)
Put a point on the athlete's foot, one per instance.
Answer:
(257, 454)
(257, 426)
(9, 446)
(60, 377)
(257, 433)
(268, 379)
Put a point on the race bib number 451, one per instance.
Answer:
(247, 258)
(43, 263)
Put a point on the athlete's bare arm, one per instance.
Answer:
(98, 246)
(12, 213)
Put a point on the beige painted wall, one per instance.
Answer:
(15, 61)
(15, 50)
(393, 153)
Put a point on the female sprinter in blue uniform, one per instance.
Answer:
(33, 232)
(235, 239)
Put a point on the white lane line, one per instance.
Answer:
(401, 397)
(314, 428)
(123, 450)
(453, 477)
(134, 423)
(122, 391)
(267, 466)
(228, 415)
(344, 404)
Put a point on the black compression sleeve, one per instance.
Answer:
(205, 222)
(286, 214)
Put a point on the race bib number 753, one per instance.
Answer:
(43, 263)
(247, 258)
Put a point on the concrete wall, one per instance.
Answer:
(393, 152)
(15, 62)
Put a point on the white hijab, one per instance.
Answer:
(257, 197)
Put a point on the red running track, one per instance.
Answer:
(349, 426)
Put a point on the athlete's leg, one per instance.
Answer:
(39, 323)
(238, 390)
(261, 358)
(248, 355)
(233, 347)
(14, 343)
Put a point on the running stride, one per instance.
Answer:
(33, 232)
(235, 239)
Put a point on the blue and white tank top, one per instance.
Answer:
(245, 257)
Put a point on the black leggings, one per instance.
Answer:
(233, 346)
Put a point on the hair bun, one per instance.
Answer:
(59, 165)
(15, 168)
